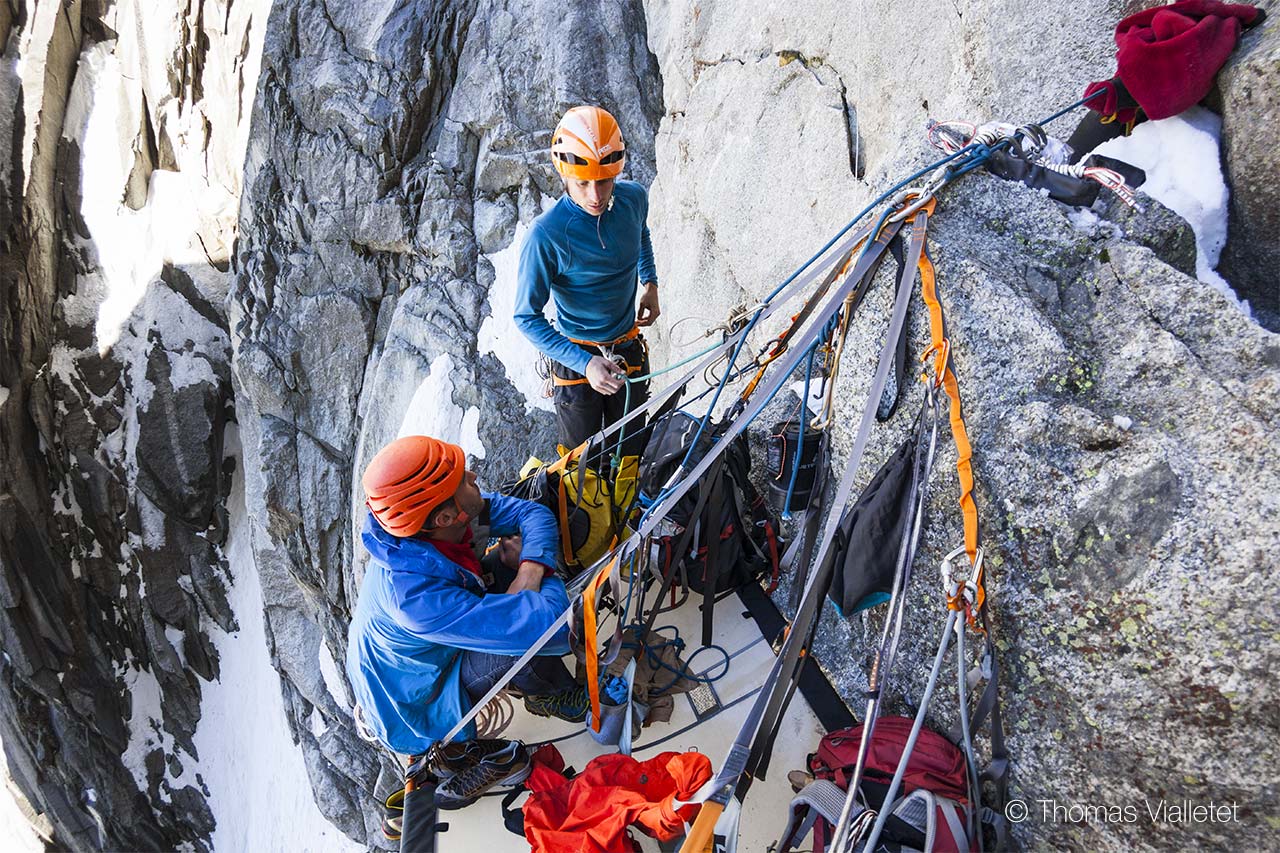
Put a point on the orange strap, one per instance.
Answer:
(940, 349)
(631, 368)
(558, 380)
(629, 336)
(701, 836)
(591, 640)
(559, 468)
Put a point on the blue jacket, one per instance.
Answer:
(589, 264)
(418, 610)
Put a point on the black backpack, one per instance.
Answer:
(743, 546)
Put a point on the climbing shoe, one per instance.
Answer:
(570, 705)
(510, 766)
(393, 815)
(451, 759)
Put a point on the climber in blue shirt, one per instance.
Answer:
(588, 251)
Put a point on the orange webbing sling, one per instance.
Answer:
(591, 641)
(940, 349)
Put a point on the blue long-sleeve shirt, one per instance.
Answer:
(589, 264)
(418, 610)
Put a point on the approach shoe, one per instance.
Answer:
(451, 759)
(511, 766)
(569, 705)
(393, 815)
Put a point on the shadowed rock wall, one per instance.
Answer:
(124, 128)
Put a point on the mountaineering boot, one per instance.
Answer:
(569, 705)
(510, 766)
(451, 759)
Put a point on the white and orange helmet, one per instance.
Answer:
(588, 145)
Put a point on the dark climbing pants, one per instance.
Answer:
(582, 411)
(542, 676)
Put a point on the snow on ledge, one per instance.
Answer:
(1184, 173)
(332, 677)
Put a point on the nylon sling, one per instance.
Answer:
(723, 786)
(758, 762)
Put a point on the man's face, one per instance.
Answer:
(467, 497)
(591, 196)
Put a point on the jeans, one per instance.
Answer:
(542, 676)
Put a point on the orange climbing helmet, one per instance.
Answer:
(587, 145)
(409, 478)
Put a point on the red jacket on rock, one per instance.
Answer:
(1167, 56)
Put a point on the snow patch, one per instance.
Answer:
(1086, 221)
(1181, 159)
(332, 677)
(146, 724)
(243, 737)
(130, 246)
(433, 412)
(4, 395)
(470, 438)
(175, 637)
(815, 395)
(16, 832)
(151, 520)
(315, 722)
(499, 334)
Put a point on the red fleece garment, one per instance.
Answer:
(1168, 56)
(590, 813)
(463, 553)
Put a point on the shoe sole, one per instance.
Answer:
(549, 716)
(514, 779)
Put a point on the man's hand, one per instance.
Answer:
(605, 376)
(648, 309)
(528, 576)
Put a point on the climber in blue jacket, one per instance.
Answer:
(588, 251)
(429, 637)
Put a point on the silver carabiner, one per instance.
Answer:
(953, 587)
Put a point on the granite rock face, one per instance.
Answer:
(1121, 412)
(118, 199)
(1248, 96)
(361, 286)
(393, 154)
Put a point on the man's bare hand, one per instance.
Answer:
(648, 309)
(605, 376)
(528, 576)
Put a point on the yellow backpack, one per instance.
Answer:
(591, 512)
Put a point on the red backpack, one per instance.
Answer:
(936, 770)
